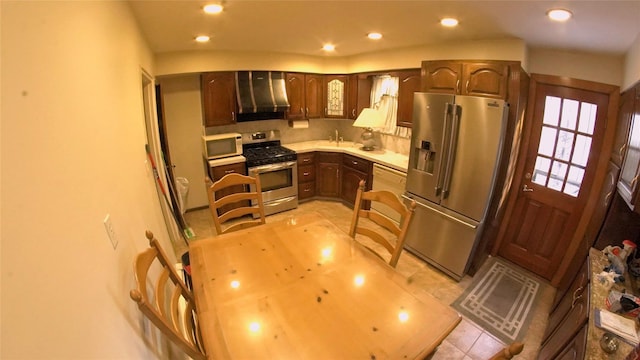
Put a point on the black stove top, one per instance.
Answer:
(269, 152)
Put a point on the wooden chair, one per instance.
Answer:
(172, 307)
(508, 352)
(399, 230)
(235, 190)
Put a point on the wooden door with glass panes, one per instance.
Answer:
(565, 142)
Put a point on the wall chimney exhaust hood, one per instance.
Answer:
(261, 92)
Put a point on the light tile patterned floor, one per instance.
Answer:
(468, 341)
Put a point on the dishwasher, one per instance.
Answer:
(386, 178)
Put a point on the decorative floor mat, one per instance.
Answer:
(500, 299)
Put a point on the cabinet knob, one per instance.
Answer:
(229, 171)
(305, 174)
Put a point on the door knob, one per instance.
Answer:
(526, 188)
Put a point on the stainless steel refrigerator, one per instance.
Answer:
(455, 147)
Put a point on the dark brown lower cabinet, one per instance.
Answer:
(576, 348)
(565, 336)
(218, 172)
(328, 174)
(568, 318)
(354, 169)
(306, 176)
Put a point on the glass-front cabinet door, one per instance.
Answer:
(335, 96)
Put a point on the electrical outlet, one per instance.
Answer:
(108, 225)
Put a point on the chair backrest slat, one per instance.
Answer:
(232, 198)
(174, 315)
(398, 230)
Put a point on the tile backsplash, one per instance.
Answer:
(319, 129)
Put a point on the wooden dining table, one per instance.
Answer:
(301, 288)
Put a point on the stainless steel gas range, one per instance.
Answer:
(277, 167)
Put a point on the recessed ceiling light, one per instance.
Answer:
(213, 8)
(374, 36)
(449, 22)
(202, 38)
(559, 14)
(329, 47)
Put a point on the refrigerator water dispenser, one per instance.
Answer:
(425, 158)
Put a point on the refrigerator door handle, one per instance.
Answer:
(441, 213)
(444, 142)
(453, 143)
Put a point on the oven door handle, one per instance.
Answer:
(272, 167)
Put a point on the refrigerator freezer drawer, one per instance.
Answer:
(442, 238)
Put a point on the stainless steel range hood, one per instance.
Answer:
(261, 92)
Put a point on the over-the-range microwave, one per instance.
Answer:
(221, 145)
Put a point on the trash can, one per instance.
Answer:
(182, 184)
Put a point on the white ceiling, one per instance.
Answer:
(303, 26)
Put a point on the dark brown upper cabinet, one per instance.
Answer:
(304, 92)
(359, 94)
(482, 78)
(409, 84)
(218, 98)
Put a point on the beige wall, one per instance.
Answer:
(602, 68)
(72, 151)
(183, 119)
(632, 65)
(188, 62)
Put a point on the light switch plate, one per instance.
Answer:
(111, 232)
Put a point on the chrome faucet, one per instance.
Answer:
(337, 139)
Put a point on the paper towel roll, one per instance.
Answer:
(299, 124)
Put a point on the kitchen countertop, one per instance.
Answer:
(384, 157)
(598, 295)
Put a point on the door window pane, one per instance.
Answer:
(558, 174)
(547, 141)
(541, 171)
(581, 150)
(551, 111)
(574, 180)
(569, 114)
(565, 144)
(587, 121)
